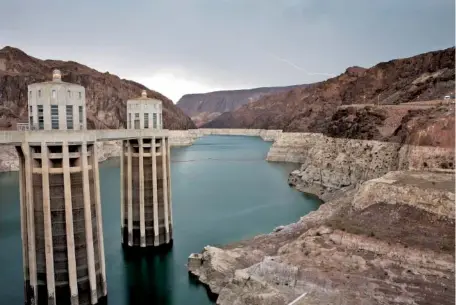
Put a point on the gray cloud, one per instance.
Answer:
(230, 43)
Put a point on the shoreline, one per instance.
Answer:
(341, 173)
(281, 265)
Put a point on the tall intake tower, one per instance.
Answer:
(146, 214)
(62, 234)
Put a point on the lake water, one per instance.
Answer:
(223, 191)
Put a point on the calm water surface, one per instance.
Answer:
(223, 191)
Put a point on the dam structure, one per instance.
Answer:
(61, 217)
(146, 215)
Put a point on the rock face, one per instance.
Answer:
(204, 107)
(389, 242)
(106, 94)
(331, 165)
(424, 77)
(385, 232)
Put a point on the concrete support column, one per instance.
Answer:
(155, 193)
(31, 249)
(96, 179)
(129, 194)
(72, 273)
(88, 224)
(164, 151)
(170, 203)
(24, 230)
(142, 223)
(149, 209)
(49, 253)
(122, 185)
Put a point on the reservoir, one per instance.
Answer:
(223, 191)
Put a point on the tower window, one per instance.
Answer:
(69, 93)
(80, 95)
(30, 93)
(39, 93)
(129, 121)
(30, 116)
(55, 116)
(154, 121)
(137, 121)
(160, 122)
(146, 120)
(54, 94)
(40, 117)
(69, 116)
(81, 116)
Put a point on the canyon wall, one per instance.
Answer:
(330, 164)
(315, 108)
(204, 107)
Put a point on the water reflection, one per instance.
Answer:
(148, 276)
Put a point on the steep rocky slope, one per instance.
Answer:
(423, 77)
(204, 107)
(106, 94)
(389, 242)
(422, 140)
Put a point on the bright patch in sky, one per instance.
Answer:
(173, 86)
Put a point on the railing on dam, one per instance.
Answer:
(17, 137)
(58, 136)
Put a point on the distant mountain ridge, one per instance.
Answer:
(204, 107)
(316, 108)
(106, 94)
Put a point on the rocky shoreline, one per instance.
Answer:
(385, 231)
(389, 241)
(330, 166)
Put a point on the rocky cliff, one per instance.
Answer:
(204, 107)
(330, 166)
(316, 108)
(391, 241)
(106, 94)
(385, 231)
(419, 139)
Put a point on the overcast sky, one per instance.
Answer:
(185, 46)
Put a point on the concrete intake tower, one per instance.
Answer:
(146, 213)
(62, 234)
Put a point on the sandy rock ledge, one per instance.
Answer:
(389, 241)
